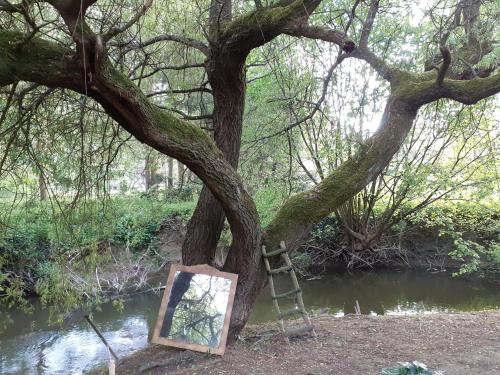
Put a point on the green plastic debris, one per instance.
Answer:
(413, 368)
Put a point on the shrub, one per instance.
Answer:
(35, 237)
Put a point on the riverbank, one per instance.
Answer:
(109, 249)
(456, 344)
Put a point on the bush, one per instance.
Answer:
(473, 229)
(35, 237)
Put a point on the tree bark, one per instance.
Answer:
(179, 288)
(227, 77)
(225, 67)
(226, 73)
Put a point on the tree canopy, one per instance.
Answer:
(329, 90)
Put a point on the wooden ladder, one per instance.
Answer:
(296, 293)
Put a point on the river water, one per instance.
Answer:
(28, 345)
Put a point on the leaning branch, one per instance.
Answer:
(49, 64)
(472, 91)
(385, 70)
(296, 217)
(420, 89)
(368, 24)
(321, 33)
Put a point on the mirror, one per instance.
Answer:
(196, 309)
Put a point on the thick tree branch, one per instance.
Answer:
(420, 89)
(347, 45)
(189, 42)
(260, 26)
(385, 70)
(467, 92)
(321, 33)
(443, 69)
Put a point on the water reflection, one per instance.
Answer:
(29, 346)
(68, 352)
(388, 292)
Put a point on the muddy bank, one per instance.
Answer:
(457, 344)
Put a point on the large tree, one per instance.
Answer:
(79, 45)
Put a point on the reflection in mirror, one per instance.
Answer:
(196, 309)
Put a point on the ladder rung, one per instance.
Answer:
(298, 331)
(286, 294)
(274, 253)
(281, 270)
(291, 312)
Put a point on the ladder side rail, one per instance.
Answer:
(273, 292)
(295, 282)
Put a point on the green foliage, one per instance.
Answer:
(473, 229)
(470, 231)
(328, 232)
(406, 368)
(268, 201)
(35, 239)
(302, 262)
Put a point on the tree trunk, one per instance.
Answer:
(179, 288)
(170, 175)
(180, 175)
(227, 78)
(148, 178)
(42, 187)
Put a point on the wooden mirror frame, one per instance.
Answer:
(204, 270)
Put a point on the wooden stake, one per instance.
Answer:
(101, 337)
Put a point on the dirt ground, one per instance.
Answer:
(456, 344)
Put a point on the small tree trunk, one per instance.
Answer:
(42, 187)
(170, 176)
(148, 180)
(180, 175)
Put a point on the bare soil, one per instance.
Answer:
(456, 344)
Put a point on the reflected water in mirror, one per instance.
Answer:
(196, 309)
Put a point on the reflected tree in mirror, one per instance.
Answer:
(196, 309)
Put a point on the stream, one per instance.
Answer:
(28, 345)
